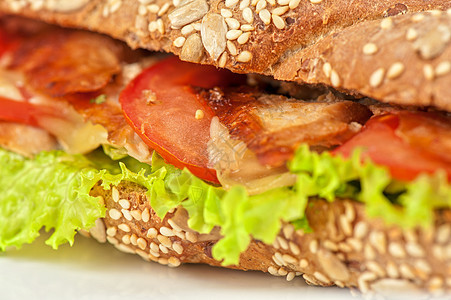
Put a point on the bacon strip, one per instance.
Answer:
(273, 126)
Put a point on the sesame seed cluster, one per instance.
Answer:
(345, 248)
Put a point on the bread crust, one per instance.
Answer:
(233, 34)
(346, 248)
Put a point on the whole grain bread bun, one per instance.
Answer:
(346, 248)
(283, 38)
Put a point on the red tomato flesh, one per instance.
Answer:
(386, 140)
(161, 104)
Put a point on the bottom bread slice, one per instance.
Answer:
(345, 248)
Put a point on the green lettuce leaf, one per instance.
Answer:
(51, 191)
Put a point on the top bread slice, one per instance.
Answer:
(394, 52)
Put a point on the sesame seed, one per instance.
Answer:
(282, 272)
(261, 4)
(231, 47)
(124, 227)
(181, 235)
(435, 283)
(152, 26)
(112, 240)
(344, 247)
(115, 194)
(244, 56)
(152, 233)
(277, 258)
(124, 203)
(428, 72)
(163, 249)
(244, 4)
(392, 271)
(177, 248)
(313, 246)
(410, 235)
(114, 214)
(174, 225)
(145, 216)
(289, 259)
(176, 2)
(187, 29)
(142, 10)
(330, 245)
(174, 262)
(396, 250)
(248, 15)
(375, 268)
(136, 214)
(377, 77)
(191, 236)
(282, 242)
(265, 16)
(406, 272)
(443, 233)
(411, 34)
(272, 271)
(387, 23)
(164, 9)
(423, 266)
(395, 70)
(142, 254)
(321, 277)
(316, 1)
(414, 250)
(126, 239)
(232, 23)
(344, 222)
(111, 231)
(291, 276)
(278, 22)
(166, 231)
(125, 248)
(334, 78)
(276, 244)
(303, 263)
(163, 261)
(378, 240)
(164, 240)
(369, 252)
(134, 239)
(178, 42)
(309, 279)
(142, 243)
(362, 281)
(154, 247)
(154, 254)
(356, 244)
(280, 258)
(230, 3)
(153, 8)
(327, 69)
(160, 26)
(226, 13)
(370, 48)
(126, 214)
(443, 68)
(271, 2)
(233, 34)
(360, 230)
(145, 2)
(222, 60)
(247, 27)
(283, 2)
(349, 211)
(280, 10)
(197, 26)
(294, 248)
(294, 3)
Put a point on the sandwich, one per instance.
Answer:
(297, 138)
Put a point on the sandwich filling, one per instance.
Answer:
(237, 153)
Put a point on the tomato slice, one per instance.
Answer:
(161, 104)
(404, 143)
